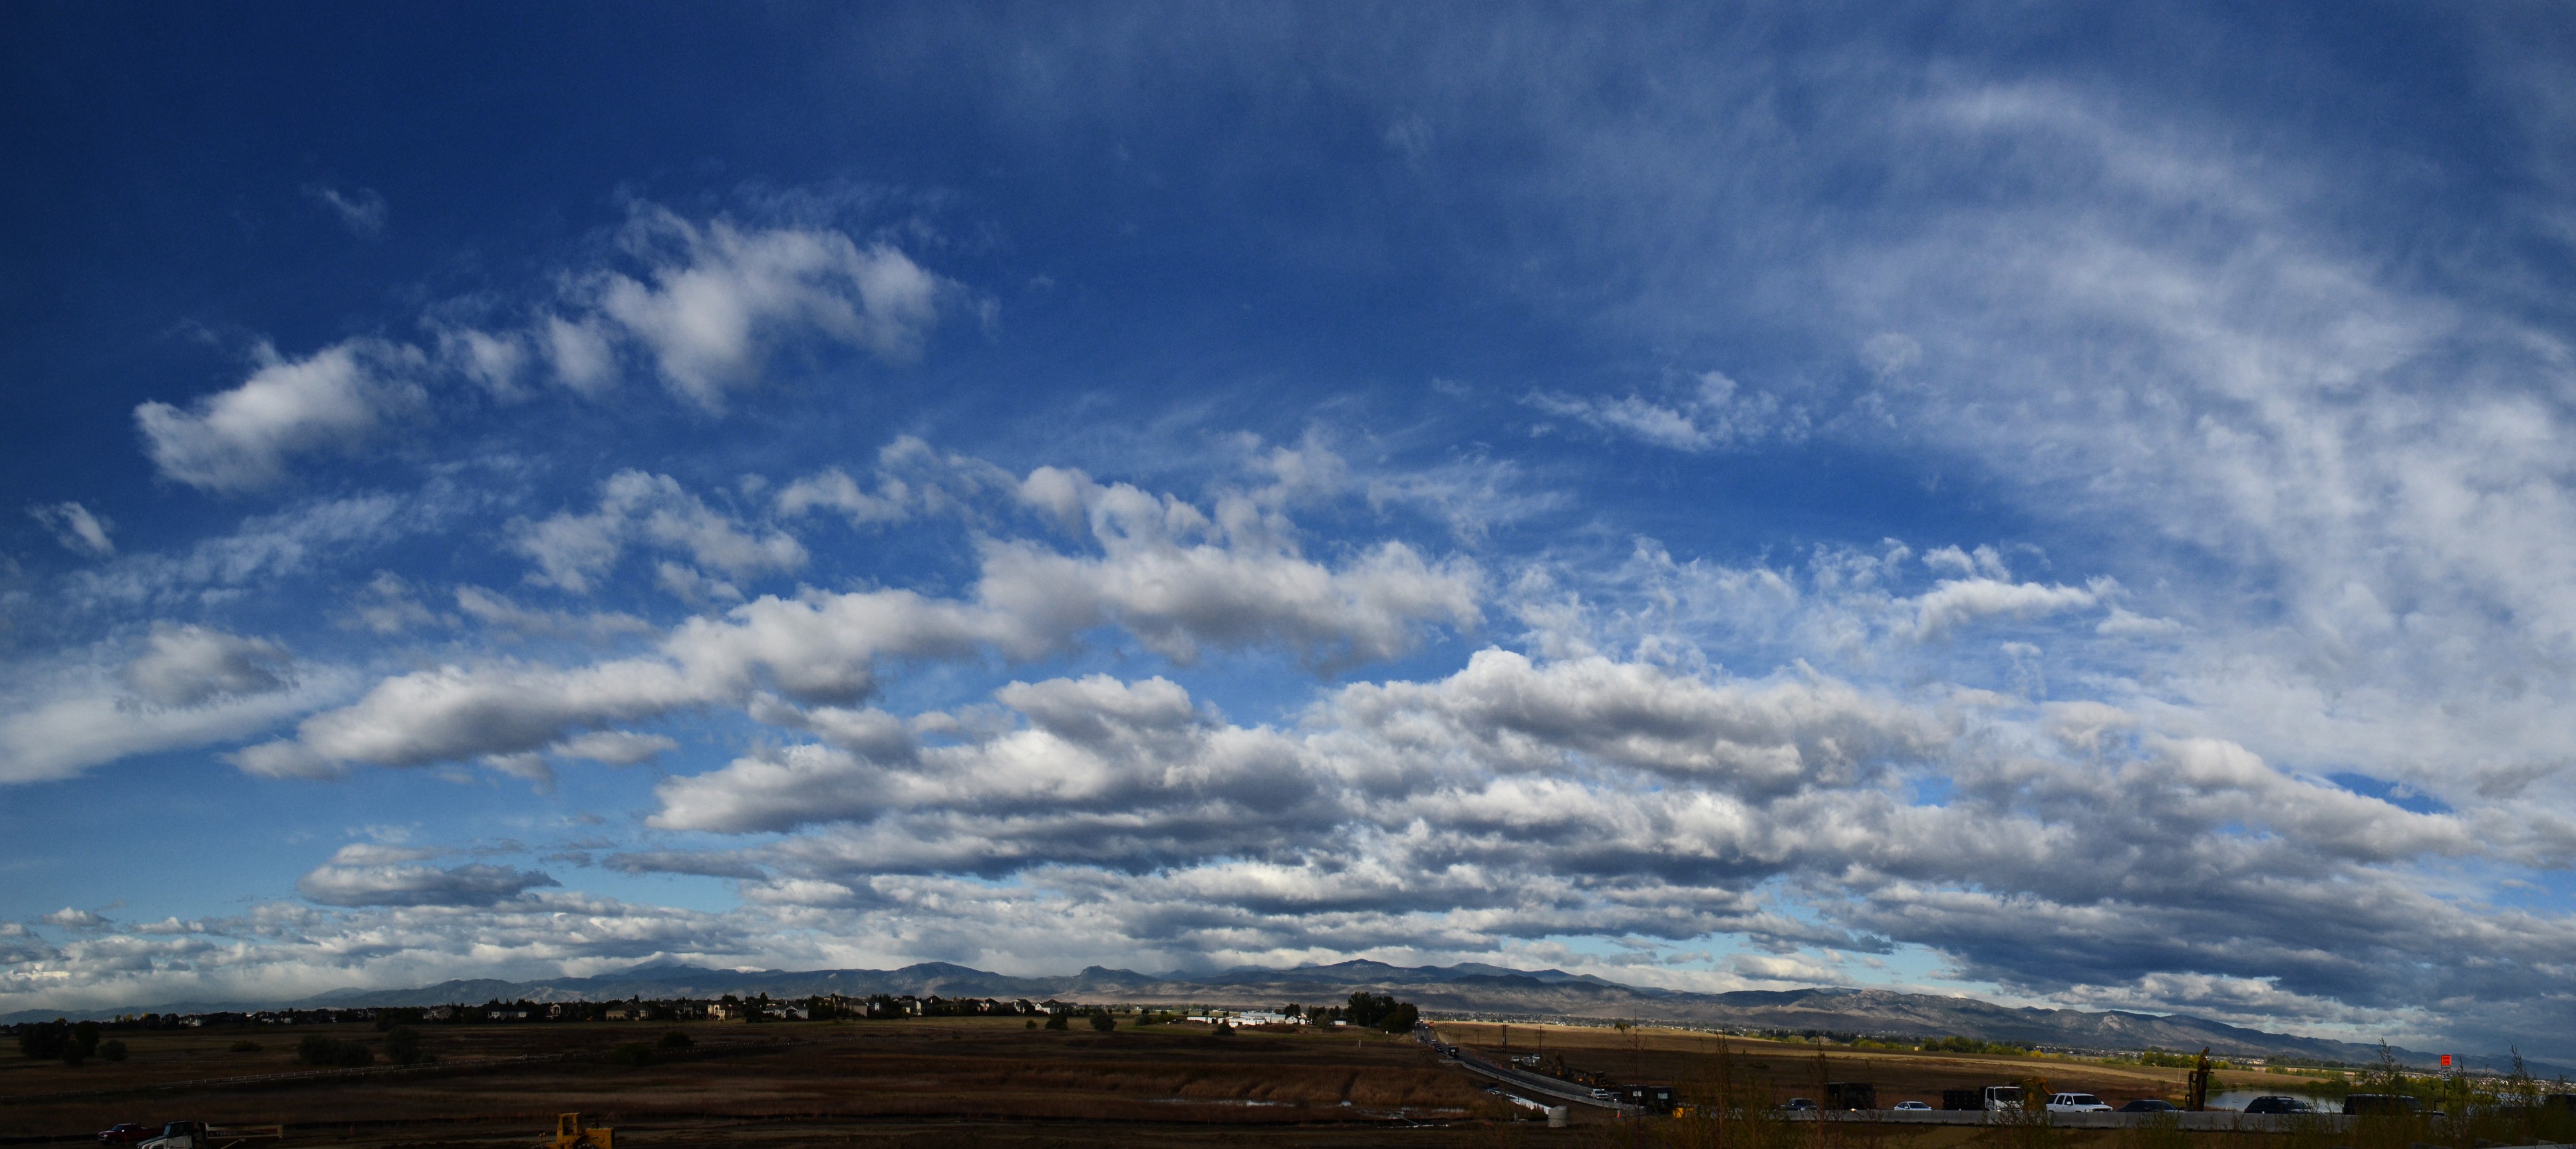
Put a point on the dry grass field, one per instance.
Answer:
(933, 1081)
(994, 1082)
(1793, 1069)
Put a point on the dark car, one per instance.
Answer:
(2279, 1105)
(2381, 1105)
(127, 1133)
(1800, 1105)
(2149, 1105)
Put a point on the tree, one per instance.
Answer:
(1401, 1019)
(402, 1045)
(112, 1050)
(1100, 1020)
(1381, 1011)
(1056, 1021)
(317, 1050)
(44, 1040)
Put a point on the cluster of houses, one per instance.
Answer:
(760, 1008)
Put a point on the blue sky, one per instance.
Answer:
(2038, 501)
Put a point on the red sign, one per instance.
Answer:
(2446, 1059)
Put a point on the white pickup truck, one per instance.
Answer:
(2076, 1103)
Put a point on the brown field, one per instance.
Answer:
(994, 1082)
(932, 1081)
(1793, 1069)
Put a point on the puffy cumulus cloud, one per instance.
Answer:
(189, 686)
(365, 879)
(1179, 578)
(706, 302)
(1166, 572)
(71, 918)
(1713, 413)
(2076, 852)
(1959, 602)
(1104, 769)
(1506, 713)
(80, 531)
(912, 479)
(572, 550)
(241, 439)
(1596, 783)
(716, 295)
(184, 665)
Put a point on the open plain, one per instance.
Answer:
(997, 1082)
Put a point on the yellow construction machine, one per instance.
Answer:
(569, 1134)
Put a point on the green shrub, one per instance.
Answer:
(320, 1050)
(112, 1050)
(675, 1040)
(1103, 1022)
(633, 1053)
(1057, 1021)
(245, 1045)
(402, 1045)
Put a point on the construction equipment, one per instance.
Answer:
(570, 1134)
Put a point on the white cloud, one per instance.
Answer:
(912, 479)
(497, 610)
(386, 605)
(80, 532)
(363, 211)
(411, 884)
(240, 439)
(717, 295)
(1889, 354)
(496, 362)
(280, 951)
(573, 550)
(188, 665)
(84, 719)
(1959, 602)
(1167, 574)
(614, 747)
(714, 301)
(579, 353)
(299, 540)
(1713, 414)
(70, 918)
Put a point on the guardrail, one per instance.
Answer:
(1552, 1087)
(2208, 1121)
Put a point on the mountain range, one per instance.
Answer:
(1465, 989)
